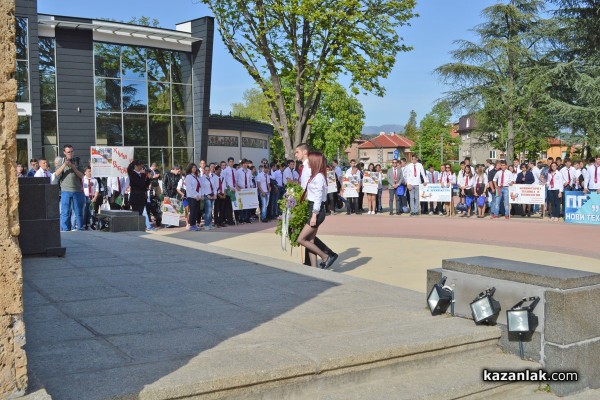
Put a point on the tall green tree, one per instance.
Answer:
(499, 76)
(338, 122)
(435, 142)
(575, 73)
(410, 129)
(310, 43)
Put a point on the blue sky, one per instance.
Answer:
(410, 86)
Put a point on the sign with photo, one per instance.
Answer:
(172, 210)
(371, 182)
(331, 182)
(527, 194)
(582, 208)
(435, 192)
(110, 161)
(245, 199)
(350, 186)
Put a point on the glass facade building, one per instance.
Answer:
(89, 82)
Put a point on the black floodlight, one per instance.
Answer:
(440, 297)
(485, 309)
(521, 319)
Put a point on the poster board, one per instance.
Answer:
(350, 186)
(331, 182)
(435, 192)
(110, 161)
(527, 194)
(172, 210)
(245, 199)
(371, 182)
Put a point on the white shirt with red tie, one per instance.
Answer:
(591, 178)
(243, 178)
(263, 182)
(90, 187)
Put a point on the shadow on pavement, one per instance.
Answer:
(345, 266)
(118, 313)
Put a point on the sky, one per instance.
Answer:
(410, 86)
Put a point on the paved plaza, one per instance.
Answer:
(175, 313)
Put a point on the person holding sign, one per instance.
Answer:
(315, 192)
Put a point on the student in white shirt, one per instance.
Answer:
(568, 175)
(244, 181)
(193, 193)
(228, 174)
(480, 185)
(448, 179)
(91, 193)
(555, 184)
(209, 192)
(263, 183)
(413, 173)
(181, 195)
(502, 180)
(466, 184)
(316, 194)
(591, 180)
(43, 170)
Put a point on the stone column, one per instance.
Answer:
(13, 363)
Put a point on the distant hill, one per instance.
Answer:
(374, 130)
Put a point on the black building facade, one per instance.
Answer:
(89, 82)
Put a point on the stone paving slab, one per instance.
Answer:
(221, 318)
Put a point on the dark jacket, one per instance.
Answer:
(528, 179)
(170, 181)
(138, 185)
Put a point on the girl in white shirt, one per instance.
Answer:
(480, 186)
(448, 179)
(555, 183)
(193, 192)
(466, 186)
(315, 193)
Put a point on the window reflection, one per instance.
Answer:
(133, 62)
(182, 99)
(136, 130)
(47, 56)
(159, 62)
(181, 67)
(182, 132)
(109, 129)
(159, 98)
(107, 60)
(48, 92)
(49, 130)
(108, 94)
(160, 130)
(21, 38)
(135, 97)
(22, 76)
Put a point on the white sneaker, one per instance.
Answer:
(430, 212)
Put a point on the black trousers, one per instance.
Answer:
(219, 210)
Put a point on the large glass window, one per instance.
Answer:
(144, 99)
(22, 72)
(49, 116)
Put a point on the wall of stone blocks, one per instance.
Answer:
(13, 362)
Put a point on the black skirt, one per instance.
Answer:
(320, 215)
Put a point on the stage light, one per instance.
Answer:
(485, 309)
(440, 297)
(522, 321)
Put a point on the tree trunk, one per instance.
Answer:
(510, 140)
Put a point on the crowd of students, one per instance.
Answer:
(206, 189)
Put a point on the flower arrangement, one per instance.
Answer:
(294, 214)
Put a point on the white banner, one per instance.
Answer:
(110, 161)
(245, 199)
(350, 187)
(171, 211)
(331, 182)
(527, 194)
(435, 192)
(371, 182)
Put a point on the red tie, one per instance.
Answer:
(300, 169)
(89, 187)
(212, 190)
(447, 178)
(415, 167)
(569, 175)
(395, 175)
(220, 186)
(595, 174)
(233, 177)
(467, 181)
(197, 184)
(119, 184)
(552, 181)
(502, 180)
(245, 180)
(268, 185)
(432, 178)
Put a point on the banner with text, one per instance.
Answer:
(172, 210)
(245, 199)
(582, 208)
(110, 161)
(331, 182)
(527, 194)
(435, 192)
(371, 182)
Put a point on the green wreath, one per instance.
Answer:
(298, 210)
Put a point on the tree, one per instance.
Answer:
(500, 76)
(309, 44)
(338, 122)
(410, 129)
(435, 142)
(575, 73)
